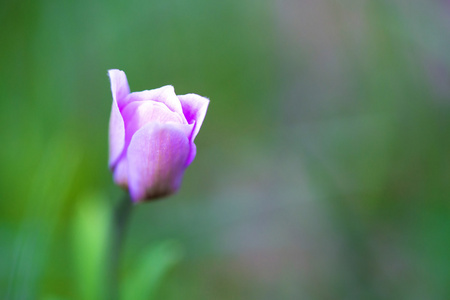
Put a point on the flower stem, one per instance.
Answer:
(120, 219)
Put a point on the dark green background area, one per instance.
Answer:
(322, 169)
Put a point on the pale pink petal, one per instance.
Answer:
(120, 173)
(119, 86)
(157, 157)
(139, 113)
(119, 89)
(116, 135)
(192, 153)
(194, 109)
(165, 94)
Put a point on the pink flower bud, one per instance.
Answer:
(151, 137)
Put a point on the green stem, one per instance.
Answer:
(121, 216)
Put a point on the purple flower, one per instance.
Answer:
(151, 137)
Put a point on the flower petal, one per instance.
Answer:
(165, 94)
(116, 135)
(139, 113)
(156, 160)
(119, 86)
(119, 89)
(120, 173)
(192, 154)
(194, 109)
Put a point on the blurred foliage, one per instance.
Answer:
(322, 169)
(91, 238)
(144, 279)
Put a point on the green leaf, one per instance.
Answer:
(150, 269)
(90, 242)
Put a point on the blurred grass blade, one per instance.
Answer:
(48, 192)
(150, 269)
(90, 242)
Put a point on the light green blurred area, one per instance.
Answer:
(322, 169)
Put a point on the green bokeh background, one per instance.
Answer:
(322, 169)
